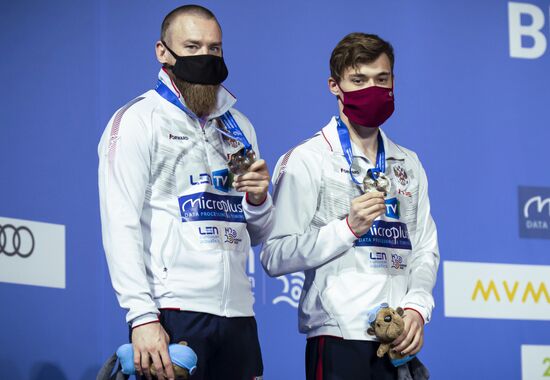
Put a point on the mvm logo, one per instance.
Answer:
(502, 291)
(512, 292)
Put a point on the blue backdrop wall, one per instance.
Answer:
(468, 100)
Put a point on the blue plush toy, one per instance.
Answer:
(121, 364)
(183, 358)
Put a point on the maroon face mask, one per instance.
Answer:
(369, 107)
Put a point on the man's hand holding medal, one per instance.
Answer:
(376, 185)
(367, 207)
(250, 176)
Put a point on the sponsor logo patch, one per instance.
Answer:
(392, 208)
(386, 234)
(353, 171)
(378, 260)
(209, 235)
(209, 206)
(231, 236)
(174, 137)
(220, 179)
(397, 261)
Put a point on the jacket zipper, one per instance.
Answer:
(225, 259)
(225, 282)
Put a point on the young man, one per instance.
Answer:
(176, 232)
(352, 212)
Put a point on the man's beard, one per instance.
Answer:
(200, 98)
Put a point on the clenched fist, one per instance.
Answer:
(255, 182)
(364, 210)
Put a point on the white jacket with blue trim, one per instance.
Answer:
(175, 233)
(395, 262)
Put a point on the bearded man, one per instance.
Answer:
(183, 196)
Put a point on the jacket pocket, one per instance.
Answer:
(348, 298)
(197, 277)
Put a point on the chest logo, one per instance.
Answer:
(401, 175)
(180, 138)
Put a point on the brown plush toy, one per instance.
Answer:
(386, 324)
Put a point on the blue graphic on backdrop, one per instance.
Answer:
(534, 212)
(526, 30)
(386, 234)
(208, 206)
(293, 284)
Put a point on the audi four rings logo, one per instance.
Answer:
(16, 241)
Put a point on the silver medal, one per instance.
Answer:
(381, 184)
(239, 162)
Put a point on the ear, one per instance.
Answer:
(163, 55)
(370, 331)
(400, 311)
(333, 87)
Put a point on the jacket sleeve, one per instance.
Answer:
(124, 164)
(425, 256)
(295, 244)
(259, 218)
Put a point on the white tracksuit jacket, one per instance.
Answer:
(395, 262)
(176, 234)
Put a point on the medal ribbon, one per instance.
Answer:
(345, 141)
(167, 94)
(233, 129)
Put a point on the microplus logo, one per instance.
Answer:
(534, 212)
(386, 234)
(209, 206)
(526, 30)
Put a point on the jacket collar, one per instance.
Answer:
(330, 133)
(226, 100)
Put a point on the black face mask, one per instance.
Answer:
(199, 69)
